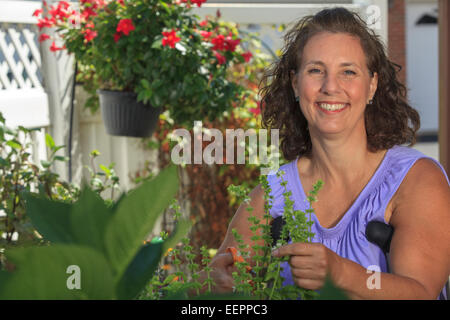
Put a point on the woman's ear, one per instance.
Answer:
(373, 85)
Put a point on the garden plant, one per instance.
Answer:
(157, 49)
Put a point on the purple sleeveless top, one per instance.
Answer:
(347, 238)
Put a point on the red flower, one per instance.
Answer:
(121, 2)
(247, 56)
(43, 37)
(63, 4)
(125, 26)
(231, 44)
(46, 23)
(198, 2)
(117, 36)
(89, 34)
(206, 34)
(218, 42)
(54, 48)
(170, 38)
(255, 111)
(220, 58)
(203, 23)
(37, 12)
(87, 13)
(222, 43)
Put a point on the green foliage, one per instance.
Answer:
(265, 281)
(18, 176)
(105, 242)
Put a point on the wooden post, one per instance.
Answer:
(444, 84)
(58, 70)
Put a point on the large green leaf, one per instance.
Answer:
(182, 228)
(136, 216)
(144, 264)
(89, 218)
(50, 218)
(42, 273)
(140, 271)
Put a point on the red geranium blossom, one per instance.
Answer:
(54, 48)
(231, 44)
(117, 36)
(255, 111)
(89, 34)
(206, 34)
(220, 58)
(198, 2)
(218, 42)
(37, 12)
(170, 38)
(247, 56)
(43, 37)
(46, 23)
(125, 26)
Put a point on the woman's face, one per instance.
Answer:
(333, 83)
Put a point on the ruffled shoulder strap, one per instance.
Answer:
(277, 190)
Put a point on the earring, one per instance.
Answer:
(370, 101)
(297, 99)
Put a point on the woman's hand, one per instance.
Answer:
(310, 264)
(222, 266)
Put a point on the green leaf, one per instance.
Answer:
(14, 144)
(49, 141)
(182, 228)
(42, 273)
(105, 169)
(45, 164)
(50, 218)
(330, 292)
(140, 271)
(135, 218)
(61, 158)
(89, 218)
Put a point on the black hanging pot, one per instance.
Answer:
(123, 115)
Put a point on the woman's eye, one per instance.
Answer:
(349, 72)
(314, 71)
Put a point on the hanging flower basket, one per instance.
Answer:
(123, 115)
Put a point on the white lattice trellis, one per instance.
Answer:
(20, 60)
(23, 100)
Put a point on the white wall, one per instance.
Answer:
(422, 65)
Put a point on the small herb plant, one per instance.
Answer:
(266, 282)
(263, 279)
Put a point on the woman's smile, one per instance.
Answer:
(331, 108)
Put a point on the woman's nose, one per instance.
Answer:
(330, 84)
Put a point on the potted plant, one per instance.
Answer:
(155, 52)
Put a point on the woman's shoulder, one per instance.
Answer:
(425, 182)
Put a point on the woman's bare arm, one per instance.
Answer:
(222, 263)
(420, 247)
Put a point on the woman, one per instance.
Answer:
(342, 116)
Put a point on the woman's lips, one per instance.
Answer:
(331, 111)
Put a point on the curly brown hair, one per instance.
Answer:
(389, 120)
